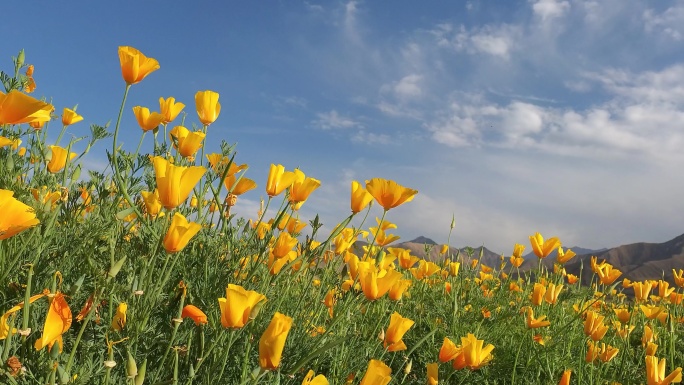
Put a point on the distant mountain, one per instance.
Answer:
(578, 250)
(636, 261)
(419, 245)
(424, 240)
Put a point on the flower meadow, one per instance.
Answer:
(141, 274)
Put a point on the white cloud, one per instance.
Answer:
(642, 118)
(370, 138)
(670, 22)
(550, 9)
(406, 88)
(333, 120)
(495, 40)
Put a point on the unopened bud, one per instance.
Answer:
(140, 377)
(407, 368)
(114, 270)
(131, 366)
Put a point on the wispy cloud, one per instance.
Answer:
(334, 120)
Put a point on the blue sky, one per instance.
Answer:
(563, 117)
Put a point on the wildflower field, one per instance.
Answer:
(140, 273)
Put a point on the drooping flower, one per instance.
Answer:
(119, 319)
(4, 327)
(180, 233)
(59, 158)
(147, 120)
(175, 182)
(395, 332)
(272, 342)
(378, 373)
(238, 305)
(208, 106)
(302, 186)
(195, 314)
(388, 193)
(16, 107)
(360, 197)
(135, 66)
(70, 117)
(16, 216)
(57, 322)
(542, 248)
(186, 142)
(278, 180)
(655, 372)
(169, 109)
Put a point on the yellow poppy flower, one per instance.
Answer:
(187, 143)
(240, 187)
(16, 107)
(565, 378)
(237, 306)
(608, 274)
(302, 186)
(564, 256)
(474, 354)
(395, 332)
(433, 373)
(534, 323)
(388, 193)
(147, 120)
(309, 379)
(272, 342)
(376, 283)
(360, 197)
(169, 109)
(195, 314)
(655, 372)
(175, 182)
(119, 319)
(180, 233)
(152, 203)
(57, 322)
(678, 277)
(16, 216)
(208, 106)
(59, 158)
(542, 248)
(378, 373)
(135, 66)
(594, 326)
(70, 117)
(278, 180)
